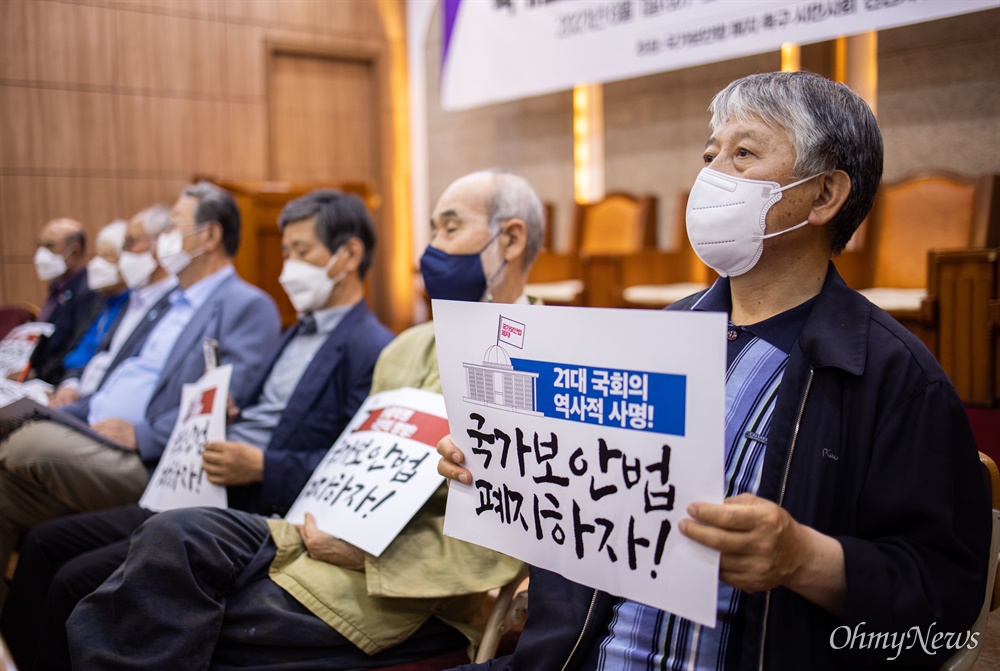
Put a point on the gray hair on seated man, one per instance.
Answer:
(112, 234)
(155, 219)
(830, 127)
(218, 205)
(514, 198)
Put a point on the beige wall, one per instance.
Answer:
(938, 104)
(107, 106)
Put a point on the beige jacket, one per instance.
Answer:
(421, 573)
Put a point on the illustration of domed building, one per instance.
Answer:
(495, 383)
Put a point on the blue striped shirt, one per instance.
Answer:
(642, 638)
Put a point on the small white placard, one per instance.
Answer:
(380, 471)
(17, 346)
(179, 480)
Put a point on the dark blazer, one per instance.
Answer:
(76, 307)
(333, 387)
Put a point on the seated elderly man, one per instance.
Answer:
(149, 286)
(48, 469)
(319, 376)
(855, 505)
(221, 588)
(104, 280)
(61, 261)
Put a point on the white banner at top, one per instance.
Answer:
(496, 50)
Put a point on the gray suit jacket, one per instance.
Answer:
(245, 322)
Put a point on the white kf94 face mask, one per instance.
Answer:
(726, 219)
(308, 286)
(170, 250)
(136, 269)
(49, 265)
(101, 273)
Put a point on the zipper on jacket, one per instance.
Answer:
(781, 501)
(579, 638)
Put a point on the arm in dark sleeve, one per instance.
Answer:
(919, 559)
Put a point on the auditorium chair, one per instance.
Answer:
(506, 617)
(15, 315)
(965, 658)
(619, 224)
(926, 211)
(655, 279)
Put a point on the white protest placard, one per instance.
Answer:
(179, 480)
(588, 443)
(17, 346)
(380, 471)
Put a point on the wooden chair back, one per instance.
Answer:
(922, 212)
(620, 223)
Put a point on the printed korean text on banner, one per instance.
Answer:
(380, 471)
(587, 444)
(17, 346)
(495, 50)
(179, 480)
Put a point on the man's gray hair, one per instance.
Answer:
(829, 125)
(155, 220)
(514, 198)
(113, 233)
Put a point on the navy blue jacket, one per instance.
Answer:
(870, 444)
(333, 387)
(76, 307)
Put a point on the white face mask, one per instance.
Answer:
(101, 273)
(308, 286)
(135, 269)
(49, 265)
(170, 251)
(726, 219)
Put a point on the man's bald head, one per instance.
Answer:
(66, 238)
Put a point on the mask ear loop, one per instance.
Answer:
(503, 264)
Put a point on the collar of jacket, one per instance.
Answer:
(836, 332)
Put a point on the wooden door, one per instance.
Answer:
(323, 123)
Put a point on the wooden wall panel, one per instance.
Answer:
(174, 136)
(20, 283)
(322, 115)
(214, 9)
(54, 129)
(248, 138)
(30, 201)
(244, 60)
(293, 13)
(170, 54)
(135, 195)
(55, 42)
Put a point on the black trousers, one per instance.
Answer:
(62, 561)
(194, 593)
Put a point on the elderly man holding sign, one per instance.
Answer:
(211, 586)
(854, 500)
